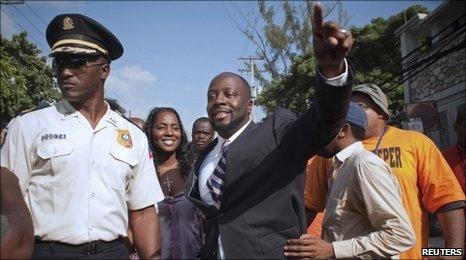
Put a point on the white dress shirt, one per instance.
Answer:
(79, 182)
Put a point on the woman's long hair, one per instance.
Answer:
(181, 150)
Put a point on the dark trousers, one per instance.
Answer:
(92, 250)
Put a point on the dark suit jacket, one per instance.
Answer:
(263, 197)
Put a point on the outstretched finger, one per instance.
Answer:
(317, 19)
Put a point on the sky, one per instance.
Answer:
(172, 49)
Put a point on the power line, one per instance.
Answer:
(11, 2)
(27, 19)
(45, 48)
(411, 57)
(36, 14)
(432, 58)
(416, 68)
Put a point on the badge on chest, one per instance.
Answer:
(124, 138)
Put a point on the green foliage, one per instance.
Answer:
(377, 57)
(292, 91)
(375, 54)
(26, 79)
(278, 44)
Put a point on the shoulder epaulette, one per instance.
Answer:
(41, 105)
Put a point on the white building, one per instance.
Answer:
(436, 73)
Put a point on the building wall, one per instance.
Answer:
(445, 73)
(444, 80)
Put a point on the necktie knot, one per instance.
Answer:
(225, 146)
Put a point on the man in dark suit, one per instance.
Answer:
(249, 182)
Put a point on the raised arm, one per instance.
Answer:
(331, 44)
(322, 121)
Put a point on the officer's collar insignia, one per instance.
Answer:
(112, 120)
(67, 23)
(124, 138)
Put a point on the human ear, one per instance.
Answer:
(105, 71)
(344, 130)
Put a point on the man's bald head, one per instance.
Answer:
(138, 121)
(229, 103)
(227, 74)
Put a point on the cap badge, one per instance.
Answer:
(124, 138)
(67, 23)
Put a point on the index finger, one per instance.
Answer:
(317, 19)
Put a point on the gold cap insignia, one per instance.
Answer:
(68, 23)
(124, 138)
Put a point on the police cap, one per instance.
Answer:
(78, 34)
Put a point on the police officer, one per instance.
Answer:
(81, 166)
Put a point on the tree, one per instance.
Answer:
(378, 41)
(375, 54)
(26, 80)
(292, 91)
(279, 44)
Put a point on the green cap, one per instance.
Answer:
(375, 93)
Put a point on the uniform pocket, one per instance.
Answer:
(50, 149)
(124, 155)
(55, 156)
(125, 160)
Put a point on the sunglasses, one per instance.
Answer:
(76, 65)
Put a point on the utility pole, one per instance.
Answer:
(252, 69)
(251, 62)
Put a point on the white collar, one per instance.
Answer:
(232, 138)
(68, 111)
(344, 154)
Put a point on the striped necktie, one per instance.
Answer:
(215, 181)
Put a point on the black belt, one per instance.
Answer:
(88, 248)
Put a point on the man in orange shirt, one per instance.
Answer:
(426, 180)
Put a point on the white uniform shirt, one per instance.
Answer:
(79, 182)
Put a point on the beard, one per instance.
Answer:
(229, 128)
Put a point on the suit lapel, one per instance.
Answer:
(234, 166)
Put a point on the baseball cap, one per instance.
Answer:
(375, 93)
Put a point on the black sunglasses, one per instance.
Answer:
(76, 65)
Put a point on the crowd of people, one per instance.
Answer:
(80, 180)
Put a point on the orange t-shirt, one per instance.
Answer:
(426, 180)
(325, 166)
